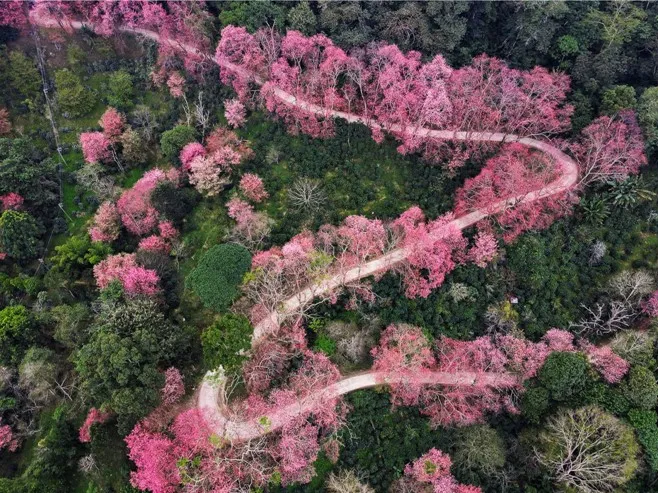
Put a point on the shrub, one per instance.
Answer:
(172, 142)
(534, 404)
(644, 423)
(226, 341)
(218, 274)
(564, 375)
(19, 235)
(641, 388)
(121, 90)
(72, 96)
(15, 334)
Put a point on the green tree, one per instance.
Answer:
(220, 271)
(641, 388)
(226, 342)
(301, 18)
(618, 98)
(534, 404)
(78, 252)
(479, 452)
(253, 15)
(23, 75)
(121, 90)
(564, 375)
(648, 115)
(644, 423)
(72, 97)
(19, 235)
(175, 203)
(172, 141)
(16, 333)
(71, 323)
(120, 366)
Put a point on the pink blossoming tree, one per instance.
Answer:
(95, 147)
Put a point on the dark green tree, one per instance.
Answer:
(19, 235)
(226, 342)
(220, 271)
(172, 141)
(72, 97)
(564, 375)
(120, 366)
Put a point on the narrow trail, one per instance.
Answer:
(210, 396)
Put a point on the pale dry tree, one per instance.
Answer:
(588, 449)
(273, 155)
(634, 346)
(144, 121)
(87, 464)
(201, 114)
(459, 292)
(596, 253)
(91, 176)
(626, 291)
(346, 481)
(631, 286)
(604, 319)
(306, 195)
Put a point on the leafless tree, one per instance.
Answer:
(588, 450)
(631, 286)
(251, 233)
(604, 319)
(634, 346)
(596, 252)
(307, 195)
(273, 155)
(144, 122)
(91, 177)
(87, 464)
(201, 114)
(346, 481)
(626, 290)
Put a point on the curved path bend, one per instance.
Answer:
(210, 399)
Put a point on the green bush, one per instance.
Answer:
(19, 235)
(121, 90)
(172, 141)
(644, 423)
(325, 344)
(564, 375)
(226, 341)
(534, 404)
(15, 334)
(72, 96)
(220, 271)
(641, 388)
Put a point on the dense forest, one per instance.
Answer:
(400, 246)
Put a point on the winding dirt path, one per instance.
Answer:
(210, 399)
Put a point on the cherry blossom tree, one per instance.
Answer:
(12, 201)
(189, 152)
(235, 113)
(13, 13)
(154, 243)
(432, 255)
(484, 250)
(106, 226)
(252, 187)
(112, 123)
(134, 206)
(510, 176)
(174, 387)
(5, 123)
(123, 268)
(94, 416)
(7, 439)
(95, 147)
(251, 227)
(610, 149)
(433, 469)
